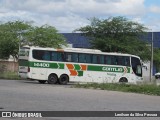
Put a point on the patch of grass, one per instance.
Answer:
(143, 89)
(9, 75)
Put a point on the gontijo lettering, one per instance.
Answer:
(112, 69)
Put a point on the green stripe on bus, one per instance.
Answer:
(61, 65)
(23, 63)
(77, 67)
(80, 73)
(47, 65)
(53, 65)
(128, 70)
(108, 69)
(94, 68)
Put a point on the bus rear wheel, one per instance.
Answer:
(64, 79)
(52, 79)
(123, 80)
(42, 81)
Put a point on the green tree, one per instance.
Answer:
(46, 36)
(19, 33)
(9, 38)
(156, 57)
(117, 34)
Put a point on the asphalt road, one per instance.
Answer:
(21, 95)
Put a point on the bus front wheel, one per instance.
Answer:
(123, 80)
(64, 79)
(52, 79)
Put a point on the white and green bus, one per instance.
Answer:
(77, 64)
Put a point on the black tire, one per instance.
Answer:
(52, 79)
(123, 80)
(42, 81)
(64, 79)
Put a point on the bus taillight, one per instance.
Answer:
(28, 69)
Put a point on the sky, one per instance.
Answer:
(68, 15)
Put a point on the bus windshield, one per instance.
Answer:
(136, 66)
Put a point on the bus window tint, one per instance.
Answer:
(95, 59)
(38, 54)
(126, 61)
(60, 56)
(41, 55)
(82, 58)
(136, 66)
(119, 60)
(68, 57)
(88, 58)
(108, 60)
(74, 57)
(101, 59)
(116, 60)
(46, 56)
(54, 56)
(98, 59)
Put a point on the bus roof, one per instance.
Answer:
(83, 50)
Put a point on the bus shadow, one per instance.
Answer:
(70, 84)
(30, 81)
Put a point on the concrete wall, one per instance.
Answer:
(9, 66)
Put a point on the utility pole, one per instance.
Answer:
(20, 36)
(151, 62)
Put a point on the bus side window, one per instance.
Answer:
(46, 56)
(108, 59)
(74, 57)
(35, 54)
(60, 56)
(38, 54)
(101, 59)
(54, 56)
(126, 61)
(138, 70)
(115, 60)
(88, 58)
(82, 58)
(120, 58)
(68, 57)
(95, 59)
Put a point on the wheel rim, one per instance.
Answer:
(123, 80)
(52, 79)
(63, 79)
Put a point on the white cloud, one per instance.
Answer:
(155, 9)
(153, 23)
(67, 15)
(107, 7)
(67, 23)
